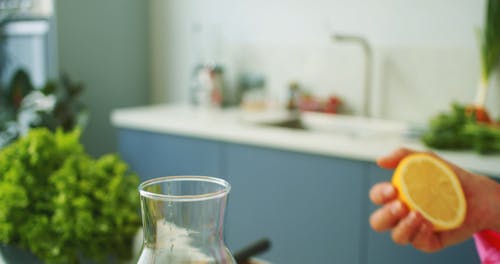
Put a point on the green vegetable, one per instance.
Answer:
(457, 130)
(61, 204)
(485, 139)
(489, 39)
(55, 105)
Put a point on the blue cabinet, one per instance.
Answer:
(153, 155)
(309, 206)
(314, 208)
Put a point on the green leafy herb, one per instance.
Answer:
(458, 130)
(489, 40)
(61, 204)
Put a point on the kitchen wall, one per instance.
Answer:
(105, 44)
(425, 52)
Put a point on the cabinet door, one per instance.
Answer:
(309, 206)
(153, 155)
(381, 249)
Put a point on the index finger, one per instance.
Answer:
(392, 160)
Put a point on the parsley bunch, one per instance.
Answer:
(459, 130)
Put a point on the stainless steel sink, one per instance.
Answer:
(292, 124)
(353, 126)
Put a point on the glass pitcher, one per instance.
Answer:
(183, 220)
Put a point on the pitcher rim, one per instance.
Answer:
(185, 198)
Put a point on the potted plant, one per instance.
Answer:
(55, 105)
(62, 205)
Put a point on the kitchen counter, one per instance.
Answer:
(285, 183)
(231, 126)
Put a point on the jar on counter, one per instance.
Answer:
(208, 86)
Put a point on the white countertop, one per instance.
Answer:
(229, 126)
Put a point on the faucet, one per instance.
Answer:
(365, 45)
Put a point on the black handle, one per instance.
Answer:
(253, 249)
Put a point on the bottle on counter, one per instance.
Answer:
(252, 91)
(208, 86)
(293, 96)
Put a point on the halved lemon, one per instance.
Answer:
(429, 186)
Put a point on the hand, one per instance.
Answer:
(483, 210)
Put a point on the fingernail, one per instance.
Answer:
(388, 191)
(396, 208)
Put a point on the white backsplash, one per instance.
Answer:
(417, 82)
(425, 52)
